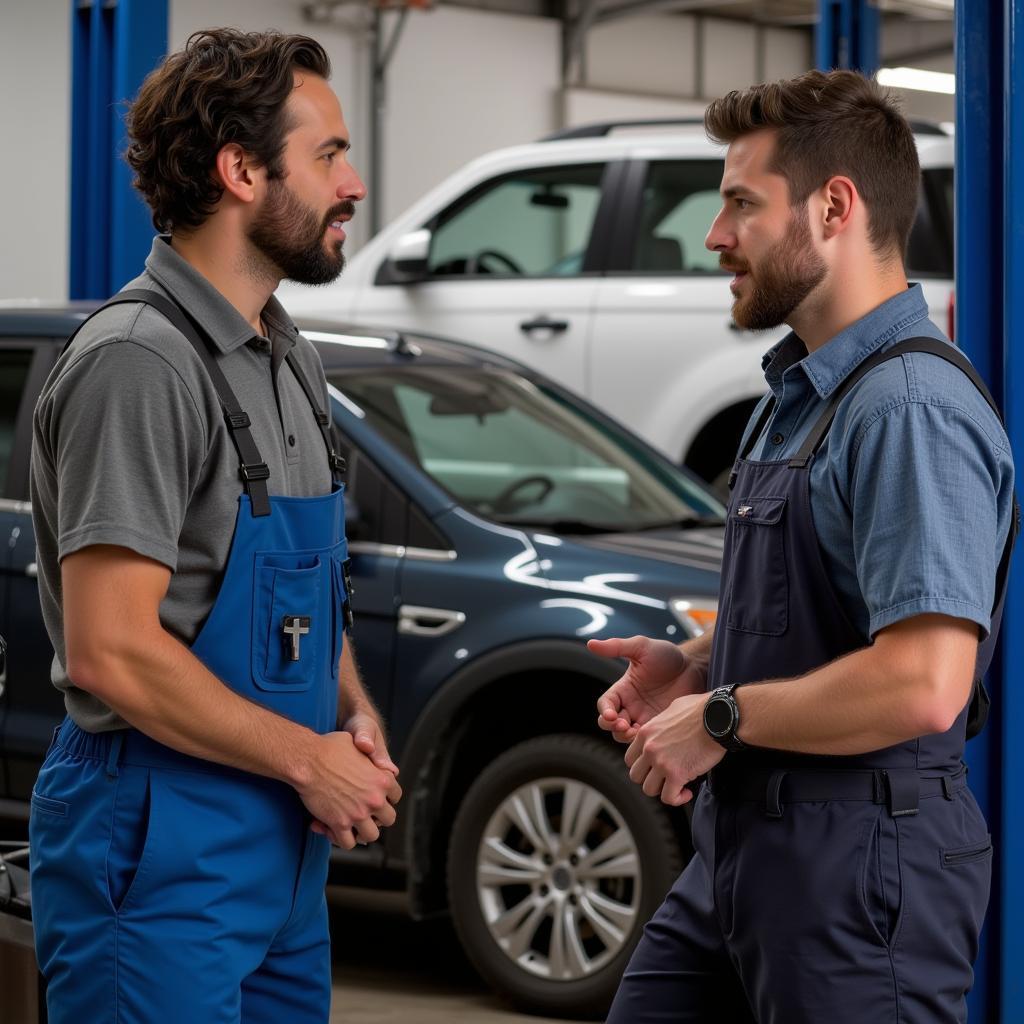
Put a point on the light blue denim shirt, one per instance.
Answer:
(911, 492)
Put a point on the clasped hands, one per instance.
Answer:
(365, 789)
(657, 707)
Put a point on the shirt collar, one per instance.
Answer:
(225, 325)
(827, 367)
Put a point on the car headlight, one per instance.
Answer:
(695, 615)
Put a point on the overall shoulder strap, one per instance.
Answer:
(752, 438)
(932, 346)
(323, 418)
(979, 701)
(252, 469)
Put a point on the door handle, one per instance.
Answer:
(544, 323)
(416, 621)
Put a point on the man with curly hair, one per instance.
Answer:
(193, 573)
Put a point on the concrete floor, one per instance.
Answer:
(389, 969)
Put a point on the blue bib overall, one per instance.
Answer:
(844, 890)
(168, 888)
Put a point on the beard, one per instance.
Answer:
(290, 236)
(787, 273)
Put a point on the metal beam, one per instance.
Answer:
(631, 7)
(381, 54)
(574, 39)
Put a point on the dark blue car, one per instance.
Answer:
(496, 523)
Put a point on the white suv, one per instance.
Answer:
(583, 255)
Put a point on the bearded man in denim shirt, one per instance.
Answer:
(842, 866)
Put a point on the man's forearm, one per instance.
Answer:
(699, 648)
(873, 698)
(162, 689)
(352, 695)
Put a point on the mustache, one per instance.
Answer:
(346, 209)
(725, 263)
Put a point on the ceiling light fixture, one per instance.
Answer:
(917, 78)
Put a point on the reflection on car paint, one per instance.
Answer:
(599, 613)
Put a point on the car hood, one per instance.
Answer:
(649, 564)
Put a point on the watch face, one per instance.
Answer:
(718, 716)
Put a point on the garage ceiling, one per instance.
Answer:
(805, 12)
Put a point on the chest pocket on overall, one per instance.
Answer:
(756, 537)
(290, 620)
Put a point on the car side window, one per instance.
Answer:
(533, 223)
(930, 246)
(14, 369)
(376, 510)
(680, 200)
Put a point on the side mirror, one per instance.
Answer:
(409, 254)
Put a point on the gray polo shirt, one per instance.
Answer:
(130, 447)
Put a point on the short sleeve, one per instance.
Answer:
(925, 495)
(127, 444)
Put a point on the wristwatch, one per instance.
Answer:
(722, 718)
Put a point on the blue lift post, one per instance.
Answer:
(846, 35)
(115, 44)
(990, 328)
(989, 258)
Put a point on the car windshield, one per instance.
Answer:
(519, 452)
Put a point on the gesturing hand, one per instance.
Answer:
(672, 750)
(657, 674)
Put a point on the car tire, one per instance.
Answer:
(549, 908)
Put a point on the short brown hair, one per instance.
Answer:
(225, 86)
(829, 123)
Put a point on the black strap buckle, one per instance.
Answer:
(322, 418)
(338, 464)
(254, 471)
(237, 420)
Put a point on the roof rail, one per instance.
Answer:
(926, 128)
(603, 128)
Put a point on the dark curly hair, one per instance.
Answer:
(829, 123)
(225, 86)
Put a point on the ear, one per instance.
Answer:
(839, 200)
(235, 171)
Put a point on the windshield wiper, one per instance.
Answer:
(568, 526)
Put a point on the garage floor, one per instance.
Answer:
(389, 969)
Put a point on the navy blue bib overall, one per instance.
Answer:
(168, 888)
(844, 890)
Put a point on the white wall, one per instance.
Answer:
(585, 106)
(643, 54)
(462, 83)
(683, 56)
(35, 119)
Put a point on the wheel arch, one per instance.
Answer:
(717, 441)
(505, 697)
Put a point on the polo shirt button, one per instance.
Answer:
(291, 440)
(777, 439)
